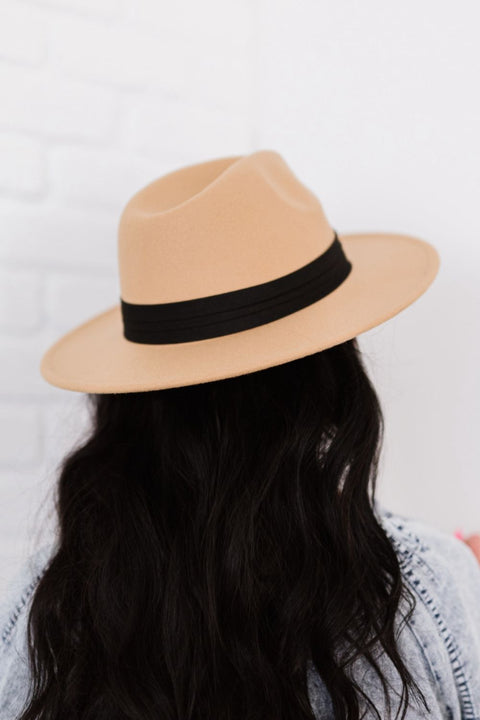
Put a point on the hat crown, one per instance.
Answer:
(218, 226)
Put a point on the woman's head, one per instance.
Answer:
(213, 540)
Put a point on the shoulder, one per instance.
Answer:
(444, 575)
(20, 587)
(14, 604)
(441, 640)
(436, 555)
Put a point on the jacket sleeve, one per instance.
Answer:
(445, 574)
(457, 583)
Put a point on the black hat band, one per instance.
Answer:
(237, 310)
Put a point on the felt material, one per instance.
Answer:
(223, 225)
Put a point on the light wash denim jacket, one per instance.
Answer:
(441, 643)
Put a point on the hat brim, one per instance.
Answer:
(389, 272)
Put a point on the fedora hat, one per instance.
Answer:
(230, 266)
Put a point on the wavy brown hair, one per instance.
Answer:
(212, 540)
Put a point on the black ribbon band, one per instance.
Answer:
(231, 312)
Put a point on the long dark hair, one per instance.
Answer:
(214, 538)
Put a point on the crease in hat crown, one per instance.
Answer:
(218, 226)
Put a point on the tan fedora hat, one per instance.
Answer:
(230, 266)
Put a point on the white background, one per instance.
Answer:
(374, 105)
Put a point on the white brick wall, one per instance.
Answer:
(375, 108)
(96, 8)
(98, 97)
(22, 165)
(22, 35)
(43, 102)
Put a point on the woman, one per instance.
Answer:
(220, 551)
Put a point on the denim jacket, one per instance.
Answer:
(440, 643)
